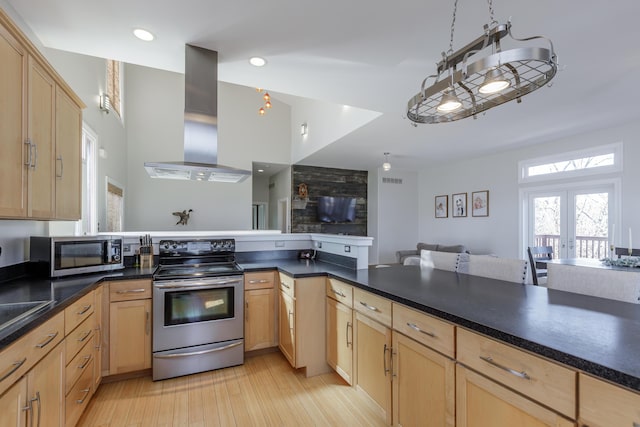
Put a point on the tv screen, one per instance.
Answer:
(336, 209)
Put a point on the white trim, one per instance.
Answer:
(616, 149)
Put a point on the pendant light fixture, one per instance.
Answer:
(482, 75)
(386, 166)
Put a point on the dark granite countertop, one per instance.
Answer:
(595, 335)
(63, 292)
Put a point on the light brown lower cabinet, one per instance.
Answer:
(37, 398)
(373, 362)
(481, 402)
(340, 338)
(603, 404)
(259, 310)
(423, 385)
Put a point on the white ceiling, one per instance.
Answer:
(374, 55)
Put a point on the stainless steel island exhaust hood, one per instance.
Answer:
(200, 125)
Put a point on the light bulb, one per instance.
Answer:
(267, 96)
(494, 81)
(261, 111)
(268, 104)
(449, 101)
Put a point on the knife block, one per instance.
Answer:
(146, 256)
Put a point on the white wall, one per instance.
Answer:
(498, 173)
(281, 189)
(394, 211)
(154, 121)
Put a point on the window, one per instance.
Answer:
(597, 160)
(113, 84)
(89, 220)
(115, 206)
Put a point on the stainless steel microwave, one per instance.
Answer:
(64, 256)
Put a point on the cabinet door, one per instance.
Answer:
(287, 329)
(480, 402)
(97, 344)
(12, 405)
(68, 158)
(423, 385)
(130, 336)
(373, 362)
(603, 404)
(41, 105)
(13, 172)
(259, 320)
(45, 390)
(340, 338)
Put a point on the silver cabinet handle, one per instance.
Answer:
(290, 322)
(197, 353)
(37, 400)
(28, 144)
(35, 155)
(131, 291)
(148, 323)
(87, 359)
(61, 167)
(98, 346)
(50, 338)
(84, 310)
(518, 374)
(417, 329)
(384, 359)
(246, 311)
(349, 325)
(14, 367)
(85, 336)
(285, 285)
(86, 393)
(370, 307)
(339, 293)
(258, 281)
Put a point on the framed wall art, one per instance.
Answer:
(442, 206)
(480, 203)
(459, 205)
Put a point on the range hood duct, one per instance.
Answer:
(200, 125)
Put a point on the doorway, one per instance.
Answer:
(575, 222)
(284, 215)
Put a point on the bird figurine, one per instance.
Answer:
(184, 216)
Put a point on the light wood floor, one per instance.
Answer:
(265, 391)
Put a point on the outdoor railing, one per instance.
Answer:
(586, 246)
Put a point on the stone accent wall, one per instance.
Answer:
(328, 182)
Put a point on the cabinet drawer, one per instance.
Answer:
(373, 306)
(78, 365)
(128, 290)
(541, 380)
(78, 338)
(428, 330)
(603, 404)
(20, 356)
(78, 398)
(77, 312)
(340, 291)
(258, 280)
(287, 285)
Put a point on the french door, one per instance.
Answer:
(575, 222)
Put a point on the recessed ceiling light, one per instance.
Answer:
(260, 170)
(257, 61)
(143, 34)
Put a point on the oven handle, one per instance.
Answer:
(199, 285)
(197, 353)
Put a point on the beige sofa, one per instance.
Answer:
(401, 256)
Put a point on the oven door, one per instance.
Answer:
(193, 312)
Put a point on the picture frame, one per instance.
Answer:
(442, 206)
(480, 203)
(459, 205)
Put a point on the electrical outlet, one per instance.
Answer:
(347, 248)
(127, 249)
(279, 244)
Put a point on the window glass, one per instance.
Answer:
(113, 84)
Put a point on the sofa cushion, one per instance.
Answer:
(427, 247)
(454, 248)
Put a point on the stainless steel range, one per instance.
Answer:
(198, 307)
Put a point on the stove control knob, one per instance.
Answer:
(166, 245)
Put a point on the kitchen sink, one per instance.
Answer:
(11, 313)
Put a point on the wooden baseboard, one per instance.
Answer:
(126, 376)
(260, 352)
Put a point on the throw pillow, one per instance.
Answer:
(427, 247)
(454, 248)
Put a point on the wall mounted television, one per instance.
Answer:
(336, 209)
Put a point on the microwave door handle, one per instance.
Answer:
(107, 252)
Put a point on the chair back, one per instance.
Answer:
(444, 260)
(511, 270)
(539, 253)
(598, 282)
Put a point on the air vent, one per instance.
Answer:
(386, 180)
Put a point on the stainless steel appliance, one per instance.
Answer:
(64, 256)
(198, 308)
